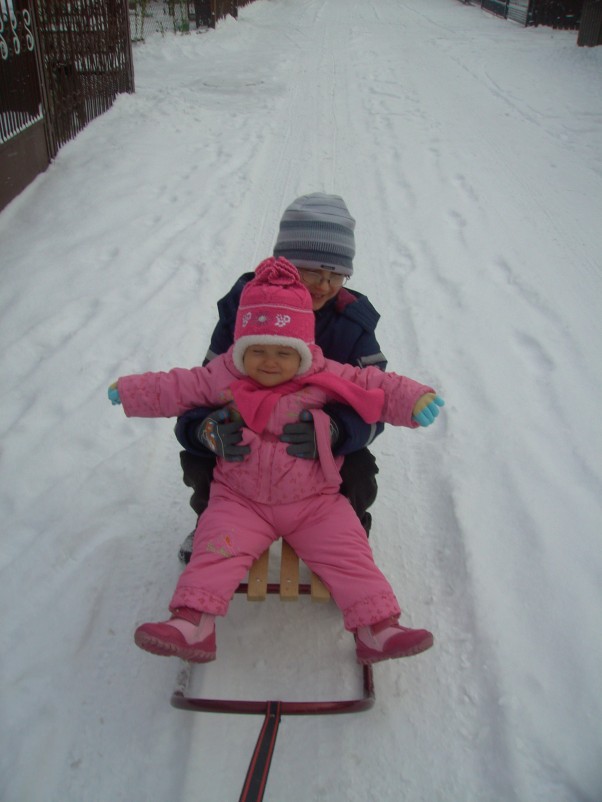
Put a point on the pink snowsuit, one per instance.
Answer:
(272, 494)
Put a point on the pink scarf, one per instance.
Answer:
(256, 403)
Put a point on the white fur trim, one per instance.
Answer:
(241, 345)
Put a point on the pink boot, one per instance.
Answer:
(189, 635)
(388, 640)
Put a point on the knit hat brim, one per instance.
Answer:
(242, 343)
(321, 261)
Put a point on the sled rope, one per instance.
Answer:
(259, 767)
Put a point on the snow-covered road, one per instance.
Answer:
(469, 150)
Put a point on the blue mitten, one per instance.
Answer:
(113, 394)
(426, 409)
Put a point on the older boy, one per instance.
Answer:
(316, 234)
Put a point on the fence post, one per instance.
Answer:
(47, 99)
(202, 12)
(590, 28)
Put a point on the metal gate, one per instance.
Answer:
(555, 13)
(23, 143)
(518, 10)
(499, 7)
(62, 63)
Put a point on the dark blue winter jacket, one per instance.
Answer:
(344, 331)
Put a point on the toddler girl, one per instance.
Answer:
(270, 375)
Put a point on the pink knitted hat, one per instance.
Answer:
(275, 308)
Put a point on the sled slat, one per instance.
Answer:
(319, 591)
(258, 578)
(289, 573)
(289, 587)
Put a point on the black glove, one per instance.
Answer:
(302, 436)
(221, 435)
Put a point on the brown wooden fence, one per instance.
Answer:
(62, 63)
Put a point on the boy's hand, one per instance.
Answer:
(113, 394)
(426, 409)
(221, 435)
(302, 436)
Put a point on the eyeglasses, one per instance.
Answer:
(314, 278)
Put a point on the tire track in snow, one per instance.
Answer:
(395, 254)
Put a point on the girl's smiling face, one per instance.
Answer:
(270, 365)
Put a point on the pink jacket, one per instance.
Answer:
(269, 475)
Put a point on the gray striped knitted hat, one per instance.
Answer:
(317, 230)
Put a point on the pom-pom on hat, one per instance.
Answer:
(317, 231)
(275, 308)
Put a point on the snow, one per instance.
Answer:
(469, 149)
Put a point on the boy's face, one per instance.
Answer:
(271, 365)
(322, 285)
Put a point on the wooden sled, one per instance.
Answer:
(257, 588)
(289, 588)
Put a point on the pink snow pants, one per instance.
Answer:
(323, 530)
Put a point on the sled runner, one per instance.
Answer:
(289, 588)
